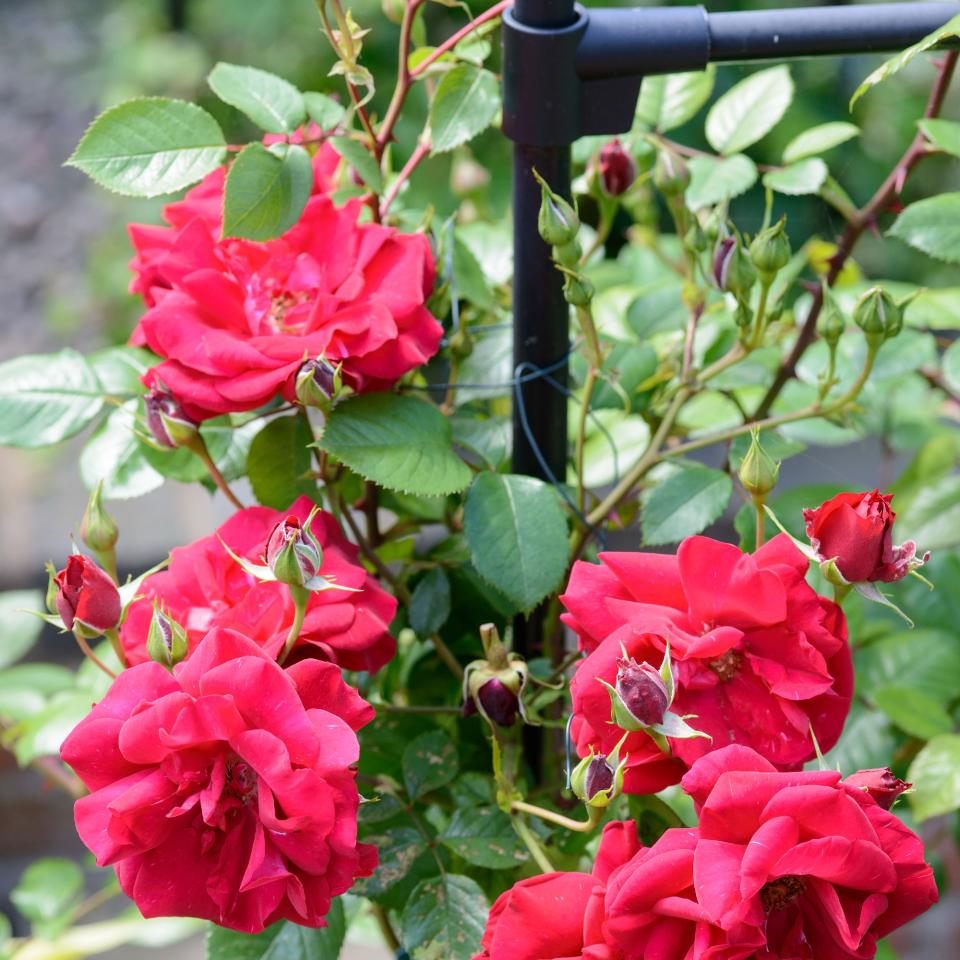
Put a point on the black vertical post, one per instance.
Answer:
(540, 314)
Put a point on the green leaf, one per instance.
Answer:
(668, 102)
(398, 850)
(484, 837)
(488, 437)
(468, 280)
(46, 398)
(25, 689)
(282, 941)
(613, 441)
(266, 191)
(935, 775)
(798, 179)
(114, 455)
(323, 110)
(932, 518)
(429, 762)
(817, 140)
(119, 369)
(750, 110)
(866, 743)
(517, 534)
(269, 101)
(684, 501)
(279, 462)
(895, 64)
(943, 134)
(398, 442)
(430, 603)
(41, 734)
(465, 104)
(150, 146)
(46, 892)
(932, 226)
(926, 661)
(951, 366)
(445, 919)
(912, 711)
(360, 158)
(716, 179)
(20, 631)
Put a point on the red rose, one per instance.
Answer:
(856, 531)
(758, 657)
(880, 784)
(616, 168)
(559, 916)
(234, 319)
(205, 587)
(224, 791)
(815, 868)
(86, 596)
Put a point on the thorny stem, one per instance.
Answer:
(422, 150)
(452, 41)
(859, 223)
(595, 365)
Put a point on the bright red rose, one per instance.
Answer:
(813, 866)
(559, 916)
(87, 596)
(204, 587)
(880, 784)
(224, 791)
(758, 657)
(235, 319)
(856, 531)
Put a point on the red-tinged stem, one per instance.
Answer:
(449, 44)
(423, 150)
(90, 655)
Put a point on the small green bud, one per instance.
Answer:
(758, 470)
(878, 316)
(671, 175)
(831, 323)
(461, 343)
(98, 529)
(293, 553)
(557, 222)
(166, 639)
(597, 780)
(692, 296)
(318, 382)
(53, 588)
(770, 250)
(732, 270)
(577, 290)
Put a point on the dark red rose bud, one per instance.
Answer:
(499, 702)
(86, 596)
(642, 691)
(167, 422)
(293, 553)
(856, 531)
(617, 170)
(881, 784)
(599, 776)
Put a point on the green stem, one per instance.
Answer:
(301, 597)
(114, 637)
(594, 815)
(761, 518)
(90, 655)
(759, 323)
(588, 388)
(446, 655)
(533, 845)
(200, 449)
(403, 709)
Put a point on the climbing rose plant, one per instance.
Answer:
(407, 689)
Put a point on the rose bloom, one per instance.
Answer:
(235, 319)
(224, 790)
(559, 916)
(815, 867)
(856, 531)
(204, 587)
(86, 595)
(758, 656)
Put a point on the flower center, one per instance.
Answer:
(283, 301)
(776, 894)
(241, 781)
(727, 666)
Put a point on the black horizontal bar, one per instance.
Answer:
(650, 40)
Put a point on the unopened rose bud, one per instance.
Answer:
(597, 780)
(493, 687)
(500, 703)
(461, 342)
(880, 784)
(167, 422)
(616, 169)
(577, 290)
(692, 296)
(87, 599)
(831, 323)
(671, 175)
(293, 553)
(878, 316)
(317, 383)
(166, 639)
(758, 470)
(770, 251)
(557, 222)
(641, 690)
(732, 270)
(98, 529)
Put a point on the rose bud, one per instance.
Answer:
(671, 175)
(87, 599)
(855, 531)
(557, 222)
(642, 691)
(493, 687)
(758, 470)
(878, 316)
(98, 529)
(499, 701)
(577, 290)
(167, 422)
(770, 251)
(831, 323)
(293, 553)
(616, 169)
(317, 383)
(732, 270)
(166, 639)
(597, 780)
(880, 784)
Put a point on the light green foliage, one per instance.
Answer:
(268, 100)
(933, 226)
(667, 102)
(282, 941)
(466, 101)
(444, 918)
(750, 110)
(684, 501)
(279, 462)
